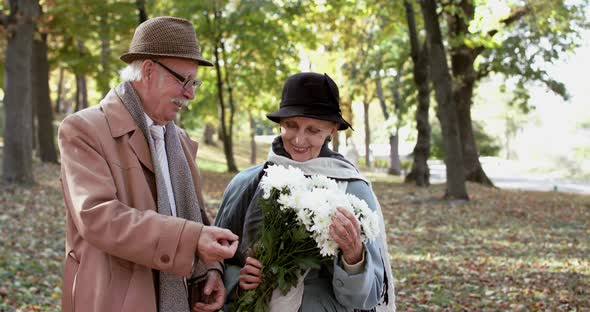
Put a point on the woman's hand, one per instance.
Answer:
(346, 232)
(250, 274)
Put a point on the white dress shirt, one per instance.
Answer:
(157, 133)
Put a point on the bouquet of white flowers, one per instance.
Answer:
(297, 212)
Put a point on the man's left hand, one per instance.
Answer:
(213, 295)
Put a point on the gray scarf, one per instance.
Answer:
(173, 295)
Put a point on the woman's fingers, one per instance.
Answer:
(249, 281)
(345, 231)
(352, 221)
(250, 270)
(248, 286)
(254, 262)
(346, 226)
(250, 274)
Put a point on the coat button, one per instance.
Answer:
(339, 283)
(165, 258)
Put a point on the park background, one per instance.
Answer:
(515, 68)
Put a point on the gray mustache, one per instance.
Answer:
(179, 102)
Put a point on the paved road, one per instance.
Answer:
(512, 175)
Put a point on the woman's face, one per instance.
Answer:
(303, 137)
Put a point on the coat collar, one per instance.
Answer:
(119, 120)
(120, 123)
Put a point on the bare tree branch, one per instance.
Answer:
(514, 16)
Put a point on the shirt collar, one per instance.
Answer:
(149, 122)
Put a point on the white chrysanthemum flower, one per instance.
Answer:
(304, 216)
(287, 201)
(357, 203)
(368, 219)
(315, 200)
(320, 181)
(321, 224)
(280, 177)
(329, 248)
(370, 225)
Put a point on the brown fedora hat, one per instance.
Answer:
(310, 95)
(165, 37)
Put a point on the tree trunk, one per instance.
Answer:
(473, 169)
(104, 74)
(141, 11)
(394, 162)
(420, 172)
(42, 102)
(252, 139)
(208, 134)
(336, 142)
(220, 130)
(34, 126)
(231, 163)
(81, 86)
(367, 134)
(221, 109)
(395, 167)
(511, 127)
(221, 105)
(464, 77)
(347, 114)
(60, 85)
(446, 106)
(81, 92)
(84, 94)
(380, 96)
(17, 162)
(77, 98)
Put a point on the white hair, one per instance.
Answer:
(131, 72)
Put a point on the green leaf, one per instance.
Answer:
(300, 233)
(281, 278)
(309, 262)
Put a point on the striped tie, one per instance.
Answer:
(158, 136)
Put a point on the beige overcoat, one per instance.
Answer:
(114, 235)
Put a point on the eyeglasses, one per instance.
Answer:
(184, 81)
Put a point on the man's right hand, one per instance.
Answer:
(216, 244)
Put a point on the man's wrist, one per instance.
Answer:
(218, 270)
(217, 266)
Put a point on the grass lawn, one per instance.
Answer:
(502, 250)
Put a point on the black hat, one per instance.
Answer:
(310, 95)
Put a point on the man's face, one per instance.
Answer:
(167, 92)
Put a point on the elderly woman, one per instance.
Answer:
(360, 277)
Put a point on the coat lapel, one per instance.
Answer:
(120, 123)
(139, 145)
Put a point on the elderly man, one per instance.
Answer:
(136, 225)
